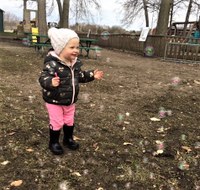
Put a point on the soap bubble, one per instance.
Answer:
(120, 118)
(128, 185)
(151, 175)
(97, 51)
(64, 185)
(85, 97)
(115, 186)
(107, 59)
(197, 185)
(145, 160)
(175, 81)
(162, 112)
(197, 145)
(102, 108)
(183, 137)
(105, 35)
(85, 172)
(183, 165)
(149, 51)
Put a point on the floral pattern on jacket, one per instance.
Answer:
(70, 77)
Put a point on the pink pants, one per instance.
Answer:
(60, 115)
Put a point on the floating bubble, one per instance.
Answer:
(64, 185)
(160, 146)
(97, 51)
(105, 35)
(183, 165)
(85, 172)
(146, 142)
(128, 185)
(149, 51)
(42, 173)
(108, 60)
(102, 108)
(151, 175)
(175, 81)
(162, 112)
(145, 160)
(31, 98)
(183, 137)
(85, 97)
(120, 117)
(197, 185)
(115, 186)
(197, 145)
(169, 112)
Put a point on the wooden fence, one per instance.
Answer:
(167, 47)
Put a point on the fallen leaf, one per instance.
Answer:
(127, 143)
(100, 188)
(159, 142)
(97, 148)
(76, 138)
(126, 122)
(196, 82)
(159, 151)
(12, 133)
(77, 174)
(188, 149)
(16, 183)
(5, 162)
(29, 150)
(155, 119)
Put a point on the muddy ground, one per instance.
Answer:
(124, 142)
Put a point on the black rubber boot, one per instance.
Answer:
(68, 140)
(54, 144)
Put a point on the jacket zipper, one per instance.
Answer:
(73, 85)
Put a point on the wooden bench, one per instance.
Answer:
(39, 41)
(87, 44)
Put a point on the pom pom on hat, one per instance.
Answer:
(60, 37)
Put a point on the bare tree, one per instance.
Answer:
(42, 22)
(80, 9)
(64, 20)
(163, 18)
(187, 16)
(146, 12)
(10, 21)
(132, 9)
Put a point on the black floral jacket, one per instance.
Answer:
(70, 77)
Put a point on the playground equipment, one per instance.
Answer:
(27, 24)
(193, 29)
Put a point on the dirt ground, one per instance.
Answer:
(138, 128)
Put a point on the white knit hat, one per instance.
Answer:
(60, 37)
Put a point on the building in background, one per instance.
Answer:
(1, 20)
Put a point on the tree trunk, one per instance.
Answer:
(163, 18)
(146, 13)
(59, 10)
(42, 22)
(64, 21)
(187, 17)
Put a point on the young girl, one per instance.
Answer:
(60, 80)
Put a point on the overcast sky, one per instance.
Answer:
(110, 14)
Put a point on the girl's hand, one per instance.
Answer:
(55, 80)
(98, 74)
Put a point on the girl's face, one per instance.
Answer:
(70, 51)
